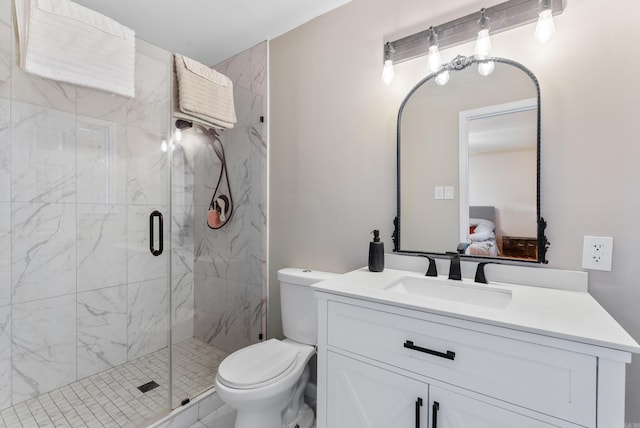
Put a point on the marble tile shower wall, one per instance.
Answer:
(80, 171)
(230, 263)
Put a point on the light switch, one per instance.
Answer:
(448, 192)
(438, 192)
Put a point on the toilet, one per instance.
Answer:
(265, 382)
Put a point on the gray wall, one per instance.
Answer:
(332, 140)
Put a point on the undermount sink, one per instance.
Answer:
(481, 295)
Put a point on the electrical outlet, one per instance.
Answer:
(597, 252)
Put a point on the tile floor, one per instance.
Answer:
(111, 398)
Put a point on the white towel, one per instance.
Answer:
(64, 41)
(206, 122)
(204, 94)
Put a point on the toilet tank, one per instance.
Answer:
(298, 303)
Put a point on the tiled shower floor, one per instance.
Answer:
(111, 398)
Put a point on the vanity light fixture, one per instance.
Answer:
(434, 62)
(483, 44)
(545, 26)
(504, 16)
(387, 70)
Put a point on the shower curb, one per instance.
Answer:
(200, 408)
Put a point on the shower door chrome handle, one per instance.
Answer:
(154, 251)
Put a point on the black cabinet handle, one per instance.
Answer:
(434, 414)
(154, 251)
(449, 355)
(418, 405)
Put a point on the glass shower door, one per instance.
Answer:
(123, 247)
(148, 296)
(218, 275)
(193, 361)
(146, 369)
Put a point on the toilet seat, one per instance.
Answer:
(258, 365)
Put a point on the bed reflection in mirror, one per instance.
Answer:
(499, 215)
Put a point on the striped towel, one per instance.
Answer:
(64, 41)
(204, 94)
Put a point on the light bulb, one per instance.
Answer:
(387, 72)
(483, 43)
(486, 68)
(545, 27)
(435, 61)
(177, 135)
(442, 78)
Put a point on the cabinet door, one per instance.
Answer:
(448, 409)
(361, 395)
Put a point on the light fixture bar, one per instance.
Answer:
(504, 16)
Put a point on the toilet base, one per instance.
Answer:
(248, 419)
(305, 419)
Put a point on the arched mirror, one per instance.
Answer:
(469, 164)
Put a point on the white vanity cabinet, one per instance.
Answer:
(381, 365)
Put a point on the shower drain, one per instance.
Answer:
(148, 386)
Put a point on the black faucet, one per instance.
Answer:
(432, 270)
(454, 266)
(480, 277)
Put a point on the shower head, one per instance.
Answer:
(183, 124)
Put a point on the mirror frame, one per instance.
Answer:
(457, 64)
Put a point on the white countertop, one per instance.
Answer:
(572, 315)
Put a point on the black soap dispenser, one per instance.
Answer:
(376, 253)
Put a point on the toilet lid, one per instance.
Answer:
(257, 364)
